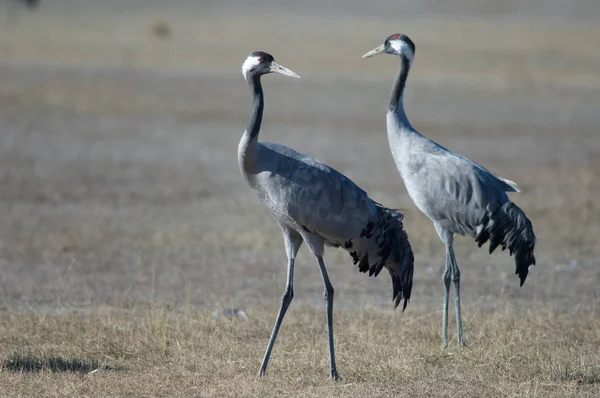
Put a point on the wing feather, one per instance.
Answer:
(318, 197)
(456, 191)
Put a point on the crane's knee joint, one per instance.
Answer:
(287, 296)
(328, 294)
(455, 275)
(446, 276)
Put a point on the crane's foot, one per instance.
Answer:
(262, 372)
(461, 344)
(334, 375)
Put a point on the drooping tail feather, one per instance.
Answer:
(384, 243)
(509, 227)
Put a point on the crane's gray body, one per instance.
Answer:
(315, 203)
(454, 192)
(308, 196)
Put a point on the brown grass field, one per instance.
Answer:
(125, 223)
(166, 352)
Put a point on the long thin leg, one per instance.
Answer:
(446, 278)
(328, 295)
(456, 279)
(292, 244)
(286, 299)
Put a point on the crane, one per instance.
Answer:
(458, 195)
(316, 204)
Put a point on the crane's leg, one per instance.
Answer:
(292, 241)
(328, 295)
(456, 279)
(446, 277)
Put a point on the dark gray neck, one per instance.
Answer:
(256, 111)
(395, 100)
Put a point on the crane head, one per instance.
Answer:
(397, 44)
(260, 63)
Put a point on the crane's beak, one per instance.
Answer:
(376, 51)
(275, 67)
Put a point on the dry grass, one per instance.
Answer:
(380, 353)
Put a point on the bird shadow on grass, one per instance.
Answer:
(28, 363)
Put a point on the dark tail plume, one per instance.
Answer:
(384, 243)
(509, 227)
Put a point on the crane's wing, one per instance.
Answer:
(318, 197)
(457, 190)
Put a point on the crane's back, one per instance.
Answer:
(305, 194)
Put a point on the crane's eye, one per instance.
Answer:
(261, 59)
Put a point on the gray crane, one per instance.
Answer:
(316, 204)
(458, 195)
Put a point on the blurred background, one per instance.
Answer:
(119, 124)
